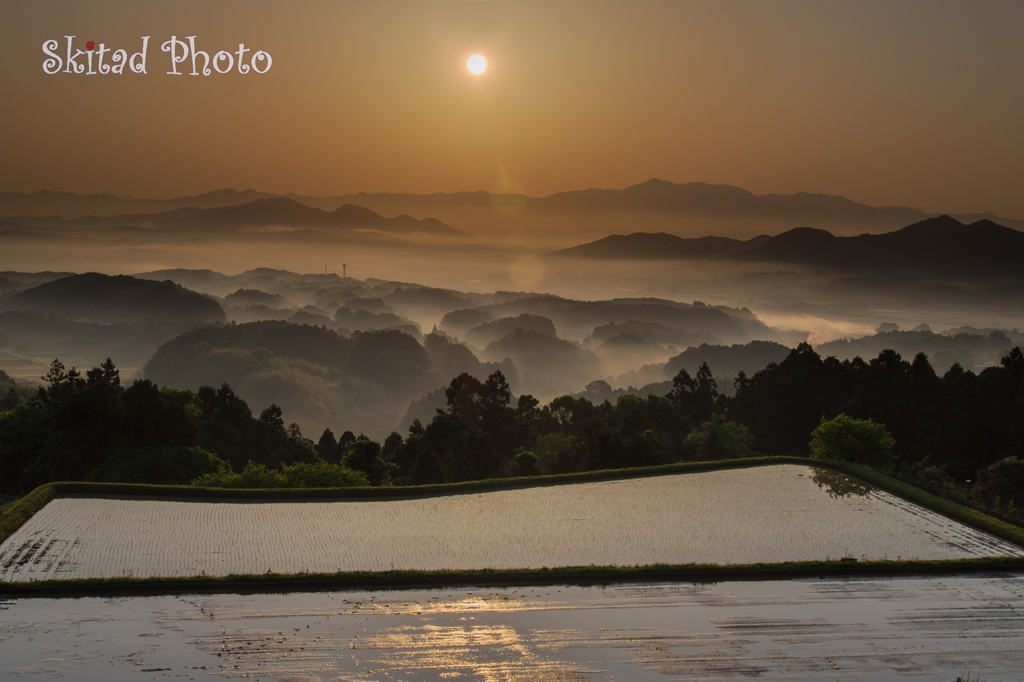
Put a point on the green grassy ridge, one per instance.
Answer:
(954, 510)
(38, 498)
(15, 515)
(568, 575)
(27, 506)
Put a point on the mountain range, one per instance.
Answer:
(259, 213)
(665, 206)
(646, 245)
(941, 247)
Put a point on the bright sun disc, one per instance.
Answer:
(477, 64)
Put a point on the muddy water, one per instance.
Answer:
(833, 629)
(776, 513)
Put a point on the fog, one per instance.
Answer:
(498, 276)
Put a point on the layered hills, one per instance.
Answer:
(940, 247)
(260, 213)
(104, 298)
(646, 245)
(678, 208)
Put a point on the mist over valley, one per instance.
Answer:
(419, 302)
(401, 348)
(538, 341)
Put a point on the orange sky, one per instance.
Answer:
(903, 103)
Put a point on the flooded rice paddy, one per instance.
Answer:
(877, 629)
(763, 514)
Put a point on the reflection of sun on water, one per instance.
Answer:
(443, 636)
(492, 653)
(475, 605)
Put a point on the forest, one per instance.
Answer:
(959, 434)
(270, 378)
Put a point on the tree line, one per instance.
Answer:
(90, 427)
(945, 430)
(960, 435)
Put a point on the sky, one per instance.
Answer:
(888, 103)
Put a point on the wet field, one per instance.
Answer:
(763, 514)
(874, 629)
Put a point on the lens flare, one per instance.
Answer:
(526, 271)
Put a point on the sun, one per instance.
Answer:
(477, 64)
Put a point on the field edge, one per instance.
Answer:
(568, 575)
(25, 508)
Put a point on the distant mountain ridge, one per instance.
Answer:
(645, 245)
(69, 205)
(260, 213)
(700, 197)
(941, 247)
(654, 198)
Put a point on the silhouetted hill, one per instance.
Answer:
(728, 361)
(503, 326)
(656, 196)
(315, 344)
(417, 300)
(18, 232)
(320, 377)
(452, 359)
(653, 331)
(264, 212)
(258, 213)
(193, 279)
(132, 343)
(460, 321)
(799, 245)
(576, 319)
(70, 205)
(120, 298)
(627, 342)
(643, 245)
(30, 279)
(942, 349)
(546, 364)
(702, 198)
(244, 297)
(379, 355)
(941, 247)
(690, 209)
(657, 202)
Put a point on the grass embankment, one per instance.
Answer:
(566, 575)
(24, 508)
(957, 512)
(14, 515)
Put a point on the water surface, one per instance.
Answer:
(877, 629)
(763, 514)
